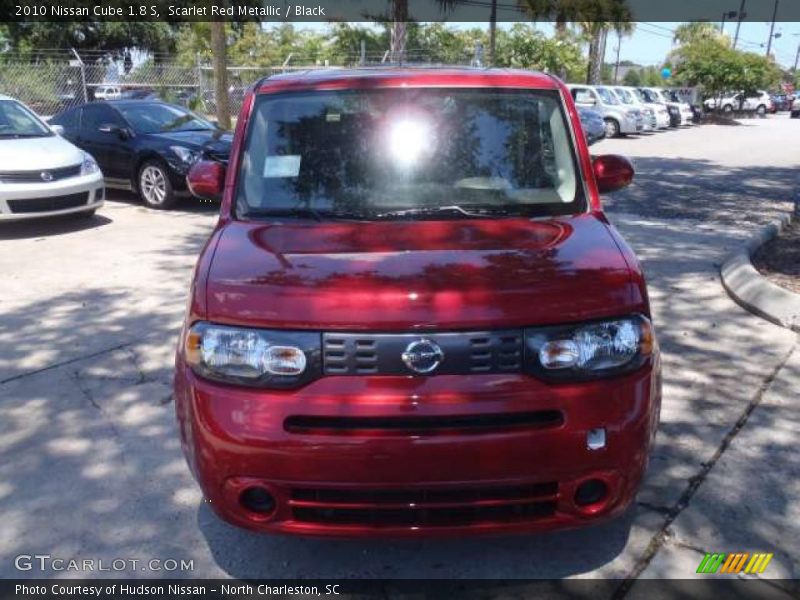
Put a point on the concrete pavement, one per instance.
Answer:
(92, 465)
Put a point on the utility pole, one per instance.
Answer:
(739, 18)
(772, 27)
(616, 64)
(492, 33)
(796, 58)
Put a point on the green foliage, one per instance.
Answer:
(524, 47)
(716, 67)
(632, 78)
(113, 37)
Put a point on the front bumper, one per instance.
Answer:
(20, 201)
(349, 477)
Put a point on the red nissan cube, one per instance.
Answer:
(413, 317)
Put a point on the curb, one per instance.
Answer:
(751, 290)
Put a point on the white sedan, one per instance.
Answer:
(42, 174)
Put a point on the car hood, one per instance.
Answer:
(31, 154)
(212, 142)
(415, 275)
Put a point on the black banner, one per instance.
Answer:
(278, 11)
(713, 587)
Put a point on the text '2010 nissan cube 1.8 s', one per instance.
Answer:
(413, 317)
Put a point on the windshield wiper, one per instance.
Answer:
(434, 210)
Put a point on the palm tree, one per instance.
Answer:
(596, 18)
(694, 32)
(219, 48)
(398, 10)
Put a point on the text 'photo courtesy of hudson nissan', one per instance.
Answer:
(370, 298)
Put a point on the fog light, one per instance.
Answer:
(590, 492)
(257, 500)
(596, 438)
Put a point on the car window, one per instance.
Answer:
(625, 95)
(154, 117)
(96, 116)
(607, 96)
(69, 120)
(366, 152)
(583, 95)
(18, 121)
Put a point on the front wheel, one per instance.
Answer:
(727, 109)
(612, 128)
(761, 111)
(155, 188)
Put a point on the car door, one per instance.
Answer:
(102, 136)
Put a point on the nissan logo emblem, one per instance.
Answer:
(46, 176)
(423, 356)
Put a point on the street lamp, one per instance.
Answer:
(726, 15)
(772, 28)
(739, 18)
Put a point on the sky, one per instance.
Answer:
(651, 42)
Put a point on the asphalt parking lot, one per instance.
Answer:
(89, 315)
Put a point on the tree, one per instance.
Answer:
(525, 47)
(219, 47)
(398, 10)
(696, 31)
(632, 78)
(716, 67)
(596, 18)
(113, 38)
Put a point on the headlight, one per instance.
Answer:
(185, 154)
(253, 357)
(590, 350)
(89, 165)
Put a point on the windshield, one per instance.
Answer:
(625, 96)
(651, 96)
(160, 118)
(409, 153)
(16, 121)
(607, 96)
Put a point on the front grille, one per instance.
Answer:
(36, 205)
(464, 353)
(431, 507)
(423, 425)
(37, 176)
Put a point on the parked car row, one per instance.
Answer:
(624, 110)
(63, 167)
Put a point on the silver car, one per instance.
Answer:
(659, 117)
(619, 119)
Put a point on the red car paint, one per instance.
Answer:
(457, 275)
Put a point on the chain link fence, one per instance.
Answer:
(59, 82)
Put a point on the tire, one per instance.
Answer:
(727, 109)
(761, 111)
(612, 128)
(154, 186)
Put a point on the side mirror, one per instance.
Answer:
(206, 179)
(57, 129)
(612, 172)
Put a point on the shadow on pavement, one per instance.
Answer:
(676, 188)
(535, 556)
(50, 226)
